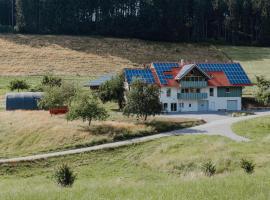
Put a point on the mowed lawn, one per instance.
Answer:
(168, 168)
(33, 132)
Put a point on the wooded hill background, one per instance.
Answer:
(230, 21)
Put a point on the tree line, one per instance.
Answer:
(230, 21)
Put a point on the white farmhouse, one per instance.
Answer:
(194, 87)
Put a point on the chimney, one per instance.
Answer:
(182, 62)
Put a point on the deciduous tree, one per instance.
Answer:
(143, 100)
(18, 85)
(263, 91)
(113, 90)
(86, 107)
(58, 96)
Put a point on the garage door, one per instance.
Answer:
(203, 105)
(232, 105)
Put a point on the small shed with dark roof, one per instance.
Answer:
(95, 84)
(23, 100)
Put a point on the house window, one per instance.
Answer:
(169, 92)
(211, 92)
(227, 90)
(165, 107)
(198, 91)
(190, 105)
(174, 107)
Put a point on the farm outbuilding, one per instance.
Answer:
(23, 101)
(95, 84)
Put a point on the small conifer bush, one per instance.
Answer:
(64, 175)
(248, 166)
(209, 168)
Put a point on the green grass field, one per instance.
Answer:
(31, 132)
(169, 168)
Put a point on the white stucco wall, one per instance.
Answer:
(214, 103)
(220, 103)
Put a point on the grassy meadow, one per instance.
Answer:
(90, 56)
(32, 132)
(168, 168)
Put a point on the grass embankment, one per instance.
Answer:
(256, 129)
(168, 168)
(24, 133)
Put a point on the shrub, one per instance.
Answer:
(248, 166)
(64, 176)
(51, 81)
(18, 85)
(58, 96)
(209, 168)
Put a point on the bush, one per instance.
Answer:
(209, 168)
(51, 81)
(248, 166)
(64, 176)
(18, 85)
(55, 97)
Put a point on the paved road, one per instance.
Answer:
(215, 127)
(207, 116)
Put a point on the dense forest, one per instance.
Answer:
(231, 21)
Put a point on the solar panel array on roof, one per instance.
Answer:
(184, 70)
(142, 74)
(233, 71)
(164, 67)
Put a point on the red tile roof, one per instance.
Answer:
(218, 79)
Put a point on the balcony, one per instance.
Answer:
(193, 84)
(192, 96)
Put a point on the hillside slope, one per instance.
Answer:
(90, 56)
(168, 168)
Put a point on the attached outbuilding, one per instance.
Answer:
(23, 100)
(95, 84)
